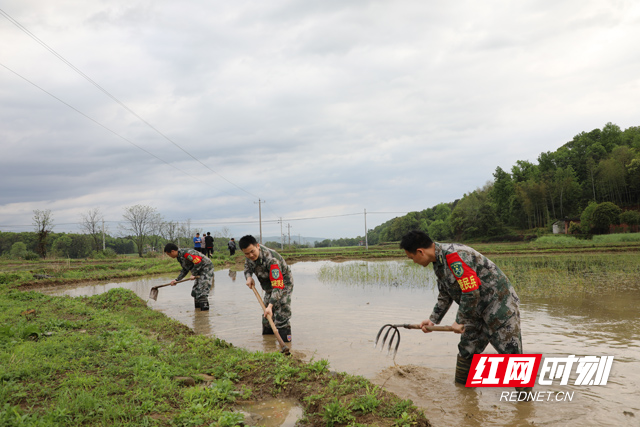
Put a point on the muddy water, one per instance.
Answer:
(339, 322)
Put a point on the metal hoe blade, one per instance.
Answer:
(154, 294)
(393, 330)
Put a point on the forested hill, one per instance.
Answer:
(595, 167)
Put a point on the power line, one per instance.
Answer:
(110, 130)
(107, 93)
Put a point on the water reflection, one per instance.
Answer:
(274, 413)
(334, 321)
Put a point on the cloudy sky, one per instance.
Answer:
(321, 108)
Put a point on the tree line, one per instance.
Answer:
(144, 230)
(592, 181)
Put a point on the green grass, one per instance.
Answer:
(25, 273)
(545, 244)
(539, 274)
(385, 273)
(552, 241)
(565, 275)
(109, 360)
(616, 238)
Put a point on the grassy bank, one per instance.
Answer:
(555, 244)
(568, 275)
(58, 271)
(51, 272)
(109, 360)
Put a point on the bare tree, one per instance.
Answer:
(184, 231)
(156, 229)
(170, 230)
(140, 223)
(91, 224)
(223, 235)
(43, 223)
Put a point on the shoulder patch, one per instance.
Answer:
(275, 275)
(465, 275)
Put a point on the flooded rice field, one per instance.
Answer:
(337, 319)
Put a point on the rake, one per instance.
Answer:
(395, 334)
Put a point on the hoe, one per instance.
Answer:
(153, 294)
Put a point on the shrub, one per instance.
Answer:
(107, 253)
(586, 219)
(605, 215)
(628, 217)
(574, 228)
(31, 256)
(18, 250)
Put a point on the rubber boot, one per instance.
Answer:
(463, 366)
(204, 304)
(285, 334)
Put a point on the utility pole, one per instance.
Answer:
(289, 233)
(103, 241)
(260, 202)
(281, 235)
(366, 240)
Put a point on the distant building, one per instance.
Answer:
(558, 227)
(562, 225)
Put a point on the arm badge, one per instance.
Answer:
(275, 275)
(195, 259)
(465, 275)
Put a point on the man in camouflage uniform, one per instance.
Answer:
(487, 303)
(193, 261)
(275, 278)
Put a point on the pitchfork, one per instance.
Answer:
(396, 333)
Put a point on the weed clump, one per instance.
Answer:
(116, 299)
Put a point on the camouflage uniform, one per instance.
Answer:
(275, 278)
(199, 265)
(488, 304)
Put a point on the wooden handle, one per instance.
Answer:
(430, 328)
(179, 281)
(273, 325)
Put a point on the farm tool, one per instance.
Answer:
(153, 294)
(283, 346)
(395, 333)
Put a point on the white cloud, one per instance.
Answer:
(327, 107)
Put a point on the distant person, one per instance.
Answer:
(275, 278)
(208, 244)
(487, 303)
(192, 261)
(232, 274)
(232, 247)
(197, 243)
